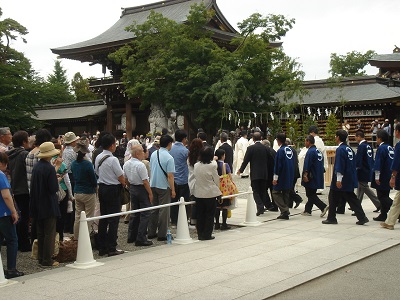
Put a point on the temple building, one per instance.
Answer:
(123, 113)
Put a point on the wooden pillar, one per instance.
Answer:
(128, 114)
(109, 127)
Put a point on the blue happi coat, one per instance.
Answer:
(345, 164)
(396, 165)
(284, 168)
(314, 166)
(383, 163)
(364, 161)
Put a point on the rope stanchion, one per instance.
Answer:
(3, 281)
(251, 219)
(182, 228)
(84, 256)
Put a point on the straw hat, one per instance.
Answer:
(47, 149)
(70, 137)
(81, 146)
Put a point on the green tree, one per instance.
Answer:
(20, 87)
(332, 125)
(57, 88)
(80, 86)
(183, 69)
(351, 64)
(293, 132)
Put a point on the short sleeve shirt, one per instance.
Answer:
(135, 171)
(4, 184)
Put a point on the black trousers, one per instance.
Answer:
(138, 222)
(181, 190)
(259, 187)
(24, 243)
(110, 203)
(63, 205)
(313, 199)
(46, 235)
(205, 216)
(386, 201)
(349, 197)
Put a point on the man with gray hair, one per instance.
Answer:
(5, 139)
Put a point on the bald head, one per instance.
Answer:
(137, 151)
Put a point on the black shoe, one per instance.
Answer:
(327, 221)
(283, 216)
(377, 210)
(353, 214)
(225, 227)
(207, 239)
(380, 218)
(103, 252)
(297, 204)
(152, 236)
(145, 243)
(126, 222)
(116, 252)
(340, 212)
(8, 274)
(131, 241)
(260, 212)
(217, 226)
(363, 221)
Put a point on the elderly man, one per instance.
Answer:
(141, 196)
(5, 139)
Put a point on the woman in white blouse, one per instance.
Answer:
(206, 192)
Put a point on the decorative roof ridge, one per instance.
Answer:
(70, 104)
(344, 81)
(150, 6)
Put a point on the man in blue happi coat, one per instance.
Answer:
(344, 181)
(313, 177)
(283, 176)
(382, 172)
(364, 165)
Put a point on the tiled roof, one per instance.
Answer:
(73, 110)
(357, 91)
(386, 57)
(176, 10)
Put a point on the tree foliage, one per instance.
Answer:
(20, 87)
(351, 64)
(80, 86)
(182, 68)
(57, 88)
(332, 125)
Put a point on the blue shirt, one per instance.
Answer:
(84, 177)
(314, 165)
(4, 184)
(284, 168)
(180, 154)
(383, 163)
(396, 165)
(364, 161)
(345, 164)
(158, 178)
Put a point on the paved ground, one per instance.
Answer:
(245, 263)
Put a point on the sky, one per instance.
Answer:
(322, 27)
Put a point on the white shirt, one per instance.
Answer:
(109, 170)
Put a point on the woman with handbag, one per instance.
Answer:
(206, 192)
(225, 174)
(85, 185)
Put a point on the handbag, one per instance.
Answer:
(226, 185)
(60, 193)
(125, 196)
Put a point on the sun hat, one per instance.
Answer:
(81, 146)
(70, 137)
(47, 149)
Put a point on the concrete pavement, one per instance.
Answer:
(244, 263)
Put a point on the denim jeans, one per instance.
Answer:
(9, 233)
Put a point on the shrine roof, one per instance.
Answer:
(116, 35)
(355, 90)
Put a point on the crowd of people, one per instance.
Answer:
(46, 183)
